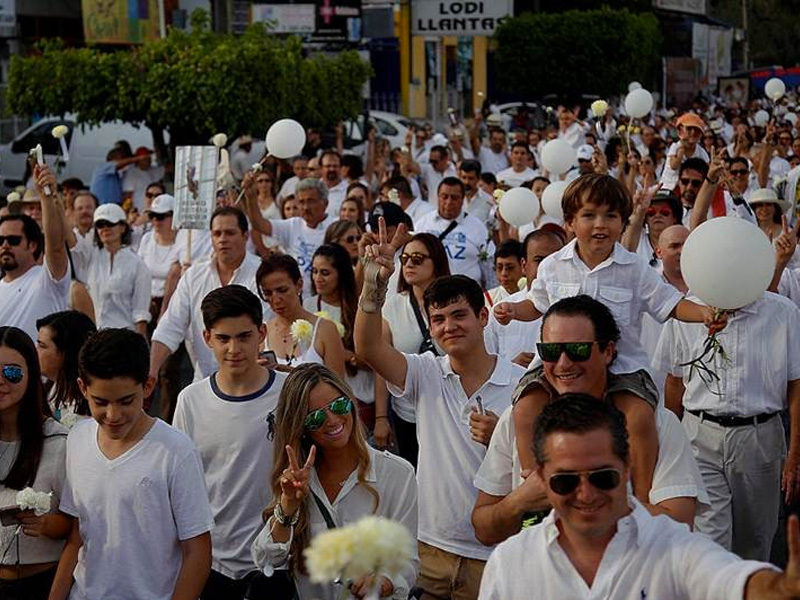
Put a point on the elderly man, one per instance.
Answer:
(599, 542)
(579, 338)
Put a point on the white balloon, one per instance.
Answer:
(727, 262)
(761, 118)
(775, 88)
(634, 85)
(558, 156)
(519, 206)
(551, 199)
(285, 138)
(638, 103)
(791, 117)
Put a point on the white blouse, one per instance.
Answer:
(159, 260)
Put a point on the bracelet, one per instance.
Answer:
(711, 181)
(281, 518)
(381, 417)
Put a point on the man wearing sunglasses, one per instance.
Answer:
(29, 290)
(719, 195)
(579, 337)
(599, 542)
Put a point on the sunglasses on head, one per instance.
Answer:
(739, 171)
(686, 182)
(566, 483)
(13, 240)
(416, 258)
(12, 373)
(103, 224)
(664, 211)
(160, 216)
(316, 418)
(575, 351)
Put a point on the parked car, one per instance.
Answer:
(88, 147)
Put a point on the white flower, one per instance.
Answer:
(370, 545)
(68, 419)
(257, 168)
(394, 197)
(404, 149)
(498, 194)
(522, 283)
(59, 131)
(30, 499)
(599, 108)
(219, 140)
(301, 331)
(13, 197)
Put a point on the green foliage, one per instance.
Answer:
(194, 84)
(575, 52)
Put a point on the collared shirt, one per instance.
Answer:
(336, 195)
(33, 295)
(627, 285)
(433, 178)
(106, 184)
(514, 178)
(448, 456)
(648, 557)
(393, 479)
(518, 336)
(482, 207)
(418, 209)
(183, 319)
(464, 244)
(761, 345)
(300, 240)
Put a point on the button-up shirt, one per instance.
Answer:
(648, 557)
(762, 347)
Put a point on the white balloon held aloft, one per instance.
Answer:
(558, 156)
(727, 262)
(791, 117)
(285, 138)
(519, 206)
(634, 85)
(775, 89)
(761, 118)
(551, 199)
(638, 103)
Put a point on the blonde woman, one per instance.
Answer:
(323, 473)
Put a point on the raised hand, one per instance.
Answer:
(717, 167)
(786, 243)
(383, 252)
(295, 481)
(45, 180)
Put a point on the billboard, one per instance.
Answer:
(119, 21)
(439, 18)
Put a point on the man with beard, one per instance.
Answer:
(331, 167)
(29, 290)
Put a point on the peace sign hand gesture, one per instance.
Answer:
(294, 481)
(382, 253)
(786, 242)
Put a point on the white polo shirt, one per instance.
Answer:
(301, 241)
(448, 456)
(464, 244)
(648, 558)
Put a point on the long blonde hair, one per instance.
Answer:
(290, 419)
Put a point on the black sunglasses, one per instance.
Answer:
(12, 373)
(566, 483)
(691, 182)
(416, 258)
(103, 224)
(739, 171)
(352, 239)
(575, 351)
(160, 216)
(13, 240)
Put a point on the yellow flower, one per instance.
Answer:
(59, 131)
(498, 194)
(301, 331)
(326, 315)
(599, 108)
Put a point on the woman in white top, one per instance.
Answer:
(423, 260)
(32, 454)
(61, 336)
(280, 285)
(118, 280)
(322, 463)
(265, 187)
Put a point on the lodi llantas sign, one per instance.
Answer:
(438, 18)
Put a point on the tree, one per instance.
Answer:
(576, 52)
(193, 84)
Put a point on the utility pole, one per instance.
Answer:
(746, 43)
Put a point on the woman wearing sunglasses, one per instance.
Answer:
(119, 282)
(280, 284)
(422, 260)
(347, 234)
(32, 454)
(652, 214)
(325, 476)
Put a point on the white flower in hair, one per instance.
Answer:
(59, 131)
(30, 499)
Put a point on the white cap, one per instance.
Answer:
(112, 213)
(494, 120)
(162, 204)
(585, 152)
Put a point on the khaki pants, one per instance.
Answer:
(444, 575)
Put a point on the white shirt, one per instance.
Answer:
(336, 196)
(647, 253)
(669, 177)
(183, 319)
(136, 180)
(515, 179)
(676, 474)
(419, 208)
(464, 244)
(743, 211)
(301, 241)
(232, 436)
(159, 260)
(448, 456)
(433, 178)
(393, 479)
(492, 161)
(762, 347)
(32, 296)
(573, 135)
(133, 510)
(648, 557)
(627, 285)
(120, 285)
(518, 336)
(481, 206)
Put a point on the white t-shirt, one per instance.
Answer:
(232, 436)
(669, 177)
(336, 196)
(32, 296)
(464, 244)
(492, 161)
(133, 512)
(159, 260)
(514, 179)
(433, 178)
(301, 241)
(418, 209)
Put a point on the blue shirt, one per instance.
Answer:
(106, 184)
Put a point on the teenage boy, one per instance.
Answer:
(134, 486)
(227, 417)
(596, 264)
(508, 266)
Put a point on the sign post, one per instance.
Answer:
(195, 183)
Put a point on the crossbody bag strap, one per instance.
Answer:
(453, 225)
(325, 514)
(423, 327)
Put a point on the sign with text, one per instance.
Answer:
(439, 18)
(286, 18)
(195, 186)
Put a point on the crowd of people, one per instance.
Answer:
(362, 333)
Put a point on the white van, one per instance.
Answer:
(88, 147)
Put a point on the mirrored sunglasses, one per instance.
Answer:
(12, 373)
(575, 351)
(316, 418)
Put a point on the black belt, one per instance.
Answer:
(730, 421)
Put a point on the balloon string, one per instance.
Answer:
(712, 348)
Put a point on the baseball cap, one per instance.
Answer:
(392, 214)
(162, 204)
(143, 151)
(690, 119)
(585, 152)
(112, 213)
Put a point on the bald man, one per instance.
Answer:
(670, 246)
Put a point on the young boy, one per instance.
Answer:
(508, 264)
(227, 415)
(134, 486)
(596, 207)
